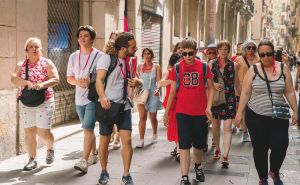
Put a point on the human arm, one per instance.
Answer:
(245, 95)
(164, 80)
(170, 101)
(210, 97)
(290, 94)
(158, 78)
(16, 77)
(53, 77)
(237, 85)
(297, 78)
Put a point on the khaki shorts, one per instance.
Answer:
(39, 116)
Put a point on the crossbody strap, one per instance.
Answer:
(245, 59)
(268, 83)
(93, 62)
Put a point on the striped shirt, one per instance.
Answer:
(260, 101)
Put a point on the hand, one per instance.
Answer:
(133, 82)
(208, 113)
(156, 92)
(218, 86)
(238, 119)
(84, 82)
(294, 118)
(166, 119)
(29, 84)
(37, 86)
(105, 103)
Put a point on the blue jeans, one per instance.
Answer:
(87, 115)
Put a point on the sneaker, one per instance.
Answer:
(276, 178)
(225, 162)
(140, 144)
(217, 155)
(93, 159)
(154, 138)
(185, 182)
(234, 130)
(81, 165)
(32, 164)
(263, 182)
(116, 145)
(246, 137)
(199, 174)
(127, 180)
(104, 178)
(50, 156)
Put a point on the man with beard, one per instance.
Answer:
(114, 90)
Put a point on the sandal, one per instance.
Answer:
(217, 155)
(225, 162)
(174, 152)
(177, 157)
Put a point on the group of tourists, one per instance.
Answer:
(247, 91)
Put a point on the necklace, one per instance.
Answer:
(146, 68)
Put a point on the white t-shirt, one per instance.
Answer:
(80, 70)
(115, 81)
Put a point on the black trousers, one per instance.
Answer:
(267, 133)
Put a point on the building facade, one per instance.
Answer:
(158, 24)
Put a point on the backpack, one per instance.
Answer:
(92, 94)
(204, 65)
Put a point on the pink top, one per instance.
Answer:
(37, 73)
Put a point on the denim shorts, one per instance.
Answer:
(126, 124)
(87, 115)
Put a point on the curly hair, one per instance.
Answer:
(109, 48)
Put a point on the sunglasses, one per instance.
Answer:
(191, 53)
(251, 47)
(268, 54)
(210, 53)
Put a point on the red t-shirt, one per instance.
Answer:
(191, 95)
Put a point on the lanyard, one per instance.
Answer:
(122, 69)
(86, 60)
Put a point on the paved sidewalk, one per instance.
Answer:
(151, 165)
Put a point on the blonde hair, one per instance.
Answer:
(109, 47)
(33, 40)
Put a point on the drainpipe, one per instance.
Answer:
(90, 12)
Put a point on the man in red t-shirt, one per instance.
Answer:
(192, 106)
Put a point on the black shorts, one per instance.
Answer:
(192, 131)
(126, 124)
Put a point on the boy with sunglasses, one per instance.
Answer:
(192, 106)
(244, 62)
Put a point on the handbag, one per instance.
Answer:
(141, 95)
(30, 97)
(92, 94)
(279, 110)
(111, 116)
(219, 96)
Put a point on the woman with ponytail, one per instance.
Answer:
(267, 83)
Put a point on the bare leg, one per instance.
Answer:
(216, 132)
(142, 122)
(126, 150)
(184, 161)
(30, 141)
(47, 137)
(227, 136)
(154, 122)
(103, 151)
(88, 142)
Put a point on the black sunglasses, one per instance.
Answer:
(251, 47)
(191, 53)
(268, 54)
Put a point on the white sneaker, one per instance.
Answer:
(81, 165)
(140, 144)
(154, 138)
(93, 159)
(116, 145)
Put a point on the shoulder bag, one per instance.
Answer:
(30, 97)
(279, 110)
(219, 96)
